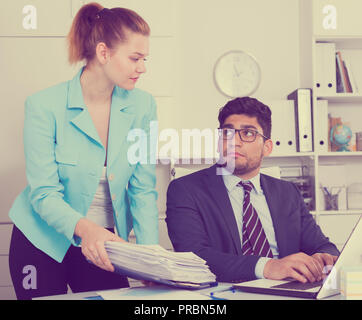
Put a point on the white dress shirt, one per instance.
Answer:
(258, 200)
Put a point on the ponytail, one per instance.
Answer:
(94, 23)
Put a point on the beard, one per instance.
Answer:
(248, 166)
(241, 167)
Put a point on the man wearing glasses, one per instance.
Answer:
(245, 224)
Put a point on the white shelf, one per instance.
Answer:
(340, 38)
(337, 212)
(292, 155)
(341, 154)
(344, 42)
(342, 98)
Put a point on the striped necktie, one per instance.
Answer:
(254, 238)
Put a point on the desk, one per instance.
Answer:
(238, 295)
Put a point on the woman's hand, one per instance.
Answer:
(93, 237)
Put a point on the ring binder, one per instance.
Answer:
(303, 118)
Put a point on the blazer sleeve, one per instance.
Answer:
(46, 191)
(142, 192)
(312, 238)
(187, 231)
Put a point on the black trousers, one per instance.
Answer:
(35, 274)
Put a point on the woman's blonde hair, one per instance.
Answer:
(94, 23)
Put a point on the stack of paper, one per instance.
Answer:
(152, 262)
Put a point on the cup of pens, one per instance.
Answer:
(331, 198)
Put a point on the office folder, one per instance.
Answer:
(283, 128)
(156, 264)
(303, 119)
(321, 128)
(325, 68)
(342, 72)
(152, 278)
(351, 77)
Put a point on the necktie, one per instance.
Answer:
(254, 238)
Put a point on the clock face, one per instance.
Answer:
(237, 74)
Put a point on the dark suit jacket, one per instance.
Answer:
(200, 219)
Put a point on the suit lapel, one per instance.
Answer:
(275, 205)
(215, 184)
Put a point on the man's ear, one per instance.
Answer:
(268, 148)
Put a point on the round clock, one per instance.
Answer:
(237, 74)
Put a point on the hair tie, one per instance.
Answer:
(101, 12)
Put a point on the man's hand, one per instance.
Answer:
(298, 266)
(326, 260)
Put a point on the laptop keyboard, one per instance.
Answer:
(296, 285)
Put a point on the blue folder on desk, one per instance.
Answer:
(176, 284)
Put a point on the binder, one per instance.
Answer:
(339, 82)
(319, 78)
(351, 76)
(283, 126)
(176, 284)
(343, 72)
(325, 68)
(321, 130)
(303, 118)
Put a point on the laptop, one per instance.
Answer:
(351, 256)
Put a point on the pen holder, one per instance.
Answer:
(331, 201)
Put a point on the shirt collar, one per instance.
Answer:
(231, 181)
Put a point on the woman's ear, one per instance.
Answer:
(102, 53)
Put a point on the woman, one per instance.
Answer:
(80, 182)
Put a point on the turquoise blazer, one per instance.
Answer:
(64, 162)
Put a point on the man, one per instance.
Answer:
(246, 225)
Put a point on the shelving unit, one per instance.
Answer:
(338, 224)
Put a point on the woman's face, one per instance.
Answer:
(126, 62)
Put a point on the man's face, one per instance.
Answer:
(244, 157)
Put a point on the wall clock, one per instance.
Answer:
(237, 74)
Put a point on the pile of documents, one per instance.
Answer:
(152, 262)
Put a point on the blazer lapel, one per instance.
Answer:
(216, 186)
(275, 205)
(121, 120)
(79, 115)
(84, 123)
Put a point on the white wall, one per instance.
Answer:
(206, 29)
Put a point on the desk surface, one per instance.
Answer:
(229, 295)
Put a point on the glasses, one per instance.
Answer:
(246, 135)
